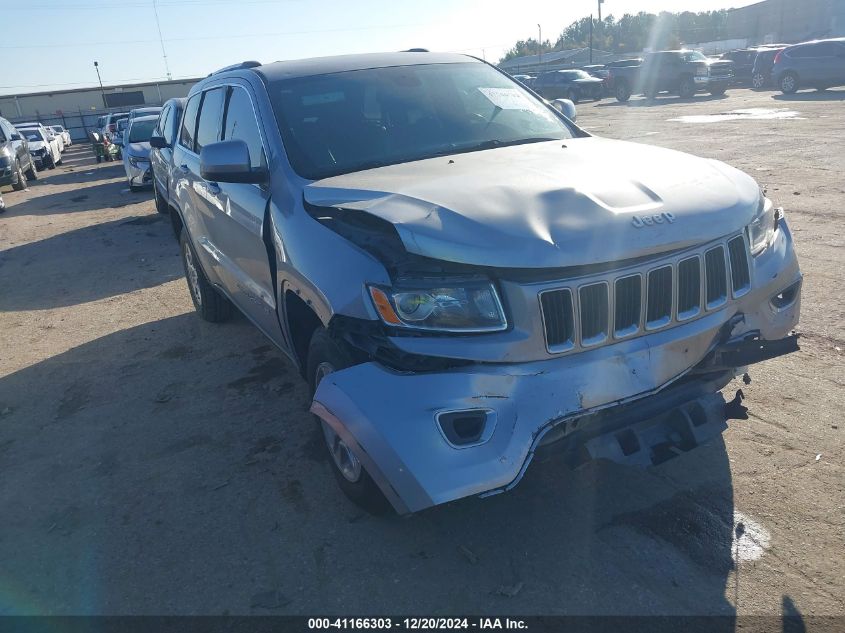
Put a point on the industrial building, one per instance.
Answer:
(78, 109)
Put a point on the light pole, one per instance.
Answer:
(102, 90)
(539, 45)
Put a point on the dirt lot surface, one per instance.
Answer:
(153, 463)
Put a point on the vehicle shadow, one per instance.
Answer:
(643, 102)
(96, 196)
(814, 95)
(173, 467)
(64, 262)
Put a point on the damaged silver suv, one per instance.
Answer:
(464, 276)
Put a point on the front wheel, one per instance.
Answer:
(623, 91)
(32, 172)
(758, 81)
(161, 204)
(20, 185)
(326, 356)
(686, 89)
(718, 92)
(208, 302)
(789, 83)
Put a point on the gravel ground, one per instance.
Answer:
(154, 464)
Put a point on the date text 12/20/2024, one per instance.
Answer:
(413, 624)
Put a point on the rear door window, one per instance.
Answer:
(240, 123)
(189, 123)
(211, 114)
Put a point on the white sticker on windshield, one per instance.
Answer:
(508, 98)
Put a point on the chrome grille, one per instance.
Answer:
(558, 319)
(594, 310)
(627, 305)
(689, 287)
(740, 277)
(659, 309)
(594, 313)
(716, 275)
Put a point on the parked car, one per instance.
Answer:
(16, 161)
(146, 111)
(761, 73)
(48, 131)
(61, 131)
(681, 72)
(136, 151)
(429, 242)
(743, 60)
(43, 146)
(574, 85)
(107, 124)
(161, 157)
(819, 64)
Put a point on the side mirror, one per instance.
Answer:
(159, 142)
(228, 161)
(566, 108)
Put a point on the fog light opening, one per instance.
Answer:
(785, 297)
(466, 428)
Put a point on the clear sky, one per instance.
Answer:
(58, 40)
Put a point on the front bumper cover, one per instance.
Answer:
(390, 418)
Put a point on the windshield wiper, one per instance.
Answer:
(492, 143)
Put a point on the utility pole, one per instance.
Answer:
(600, 3)
(161, 41)
(539, 46)
(102, 90)
(591, 38)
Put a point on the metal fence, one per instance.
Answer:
(77, 123)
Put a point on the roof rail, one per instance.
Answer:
(416, 50)
(242, 65)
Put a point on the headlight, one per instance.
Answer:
(761, 231)
(464, 307)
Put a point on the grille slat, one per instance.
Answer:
(627, 302)
(659, 305)
(558, 317)
(594, 313)
(689, 287)
(715, 275)
(740, 277)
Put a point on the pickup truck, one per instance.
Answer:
(463, 275)
(681, 72)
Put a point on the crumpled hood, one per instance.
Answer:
(139, 150)
(551, 204)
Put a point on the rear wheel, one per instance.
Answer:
(32, 172)
(209, 303)
(326, 356)
(686, 89)
(758, 81)
(789, 83)
(718, 92)
(20, 185)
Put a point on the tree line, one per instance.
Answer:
(632, 33)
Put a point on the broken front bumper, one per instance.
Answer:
(430, 438)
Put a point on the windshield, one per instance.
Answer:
(141, 131)
(569, 75)
(694, 56)
(32, 135)
(57, 128)
(349, 121)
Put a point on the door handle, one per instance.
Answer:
(183, 168)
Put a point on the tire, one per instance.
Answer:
(325, 355)
(788, 83)
(208, 302)
(49, 161)
(134, 188)
(161, 203)
(686, 89)
(718, 92)
(622, 91)
(758, 81)
(32, 172)
(20, 185)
